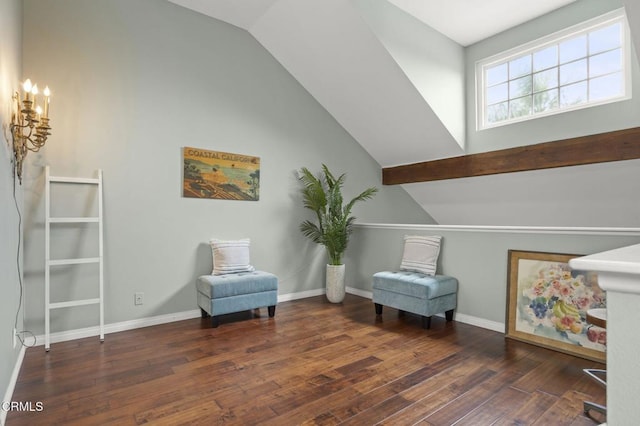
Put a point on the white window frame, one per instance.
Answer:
(607, 19)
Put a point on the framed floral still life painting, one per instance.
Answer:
(547, 304)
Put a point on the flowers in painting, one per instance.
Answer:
(557, 298)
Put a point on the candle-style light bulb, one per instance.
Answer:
(46, 94)
(34, 90)
(38, 112)
(27, 89)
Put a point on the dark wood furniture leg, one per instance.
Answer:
(378, 308)
(449, 315)
(426, 322)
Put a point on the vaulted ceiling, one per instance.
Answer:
(367, 63)
(352, 62)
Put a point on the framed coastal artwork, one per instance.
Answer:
(220, 175)
(547, 304)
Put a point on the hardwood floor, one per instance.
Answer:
(314, 363)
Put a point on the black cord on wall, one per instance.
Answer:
(19, 269)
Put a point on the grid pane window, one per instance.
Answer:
(573, 94)
(545, 101)
(605, 63)
(605, 39)
(498, 93)
(573, 49)
(545, 79)
(573, 71)
(570, 71)
(606, 86)
(520, 87)
(497, 74)
(545, 58)
(498, 112)
(520, 66)
(520, 107)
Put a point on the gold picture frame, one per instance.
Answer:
(547, 303)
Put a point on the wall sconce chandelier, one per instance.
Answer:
(29, 124)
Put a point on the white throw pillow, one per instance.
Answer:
(420, 254)
(230, 257)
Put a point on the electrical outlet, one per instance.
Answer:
(15, 338)
(138, 298)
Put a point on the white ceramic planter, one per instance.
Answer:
(335, 283)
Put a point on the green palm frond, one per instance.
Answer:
(314, 197)
(323, 195)
(311, 231)
(367, 194)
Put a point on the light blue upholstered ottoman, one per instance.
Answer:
(229, 293)
(417, 293)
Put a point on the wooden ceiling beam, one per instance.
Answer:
(600, 148)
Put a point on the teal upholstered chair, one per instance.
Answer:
(234, 285)
(229, 293)
(415, 288)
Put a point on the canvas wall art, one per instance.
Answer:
(548, 303)
(220, 175)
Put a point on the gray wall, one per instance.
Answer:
(132, 83)
(476, 256)
(10, 70)
(633, 12)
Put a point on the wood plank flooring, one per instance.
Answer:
(314, 363)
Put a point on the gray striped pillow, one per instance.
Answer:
(230, 257)
(421, 254)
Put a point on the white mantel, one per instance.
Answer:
(619, 275)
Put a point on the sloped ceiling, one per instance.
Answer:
(330, 49)
(242, 14)
(350, 61)
(469, 21)
(357, 58)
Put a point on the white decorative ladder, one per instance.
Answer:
(49, 263)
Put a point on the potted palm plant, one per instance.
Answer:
(323, 195)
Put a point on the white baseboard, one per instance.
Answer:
(81, 333)
(361, 293)
(300, 295)
(480, 322)
(8, 395)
